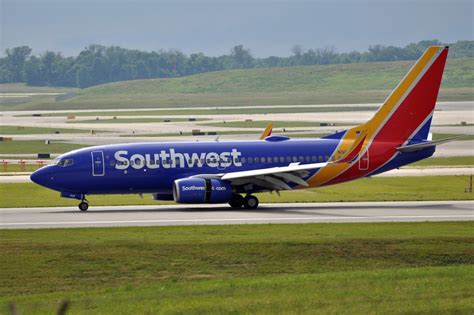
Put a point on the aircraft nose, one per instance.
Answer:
(40, 177)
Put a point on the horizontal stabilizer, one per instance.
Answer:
(425, 145)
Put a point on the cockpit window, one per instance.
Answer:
(65, 162)
(55, 161)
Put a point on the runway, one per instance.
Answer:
(114, 216)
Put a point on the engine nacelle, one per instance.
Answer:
(164, 197)
(200, 190)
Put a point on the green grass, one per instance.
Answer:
(23, 88)
(216, 111)
(35, 146)
(305, 268)
(371, 189)
(439, 136)
(446, 161)
(320, 84)
(15, 130)
(133, 120)
(227, 132)
(263, 124)
(235, 132)
(15, 167)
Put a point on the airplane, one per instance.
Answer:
(232, 172)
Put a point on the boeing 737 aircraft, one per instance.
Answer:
(232, 171)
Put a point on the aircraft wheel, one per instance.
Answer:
(83, 206)
(237, 201)
(250, 202)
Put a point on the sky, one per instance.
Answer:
(213, 27)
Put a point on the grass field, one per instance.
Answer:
(35, 146)
(263, 124)
(133, 120)
(218, 111)
(15, 130)
(306, 268)
(321, 84)
(23, 88)
(371, 189)
(446, 161)
(438, 136)
(226, 132)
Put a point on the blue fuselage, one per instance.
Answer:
(153, 167)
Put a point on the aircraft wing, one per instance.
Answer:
(273, 178)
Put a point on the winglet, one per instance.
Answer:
(267, 132)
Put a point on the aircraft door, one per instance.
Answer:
(98, 166)
(364, 161)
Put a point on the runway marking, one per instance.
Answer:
(470, 217)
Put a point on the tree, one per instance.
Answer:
(15, 62)
(241, 57)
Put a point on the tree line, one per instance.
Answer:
(98, 64)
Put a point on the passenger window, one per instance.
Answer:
(288, 159)
(320, 158)
(262, 160)
(313, 158)
(295, 159)
(301, 159)
(307, 158)
(282, 159)
(243, 159)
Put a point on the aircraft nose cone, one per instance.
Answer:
(40, 177)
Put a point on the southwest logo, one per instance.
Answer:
(174, 159)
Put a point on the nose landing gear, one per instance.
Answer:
(84, 205)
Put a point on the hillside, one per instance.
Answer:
(320, 84)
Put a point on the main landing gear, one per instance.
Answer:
(249, 202)
(84, 205)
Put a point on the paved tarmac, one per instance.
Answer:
(113, 216)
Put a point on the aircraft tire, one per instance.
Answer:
(250, 202)
(83, 206)
(237, 201)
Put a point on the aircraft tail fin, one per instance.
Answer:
(407, 112)
(405, 116)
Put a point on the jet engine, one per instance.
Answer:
(200, 190)
(163, 196)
